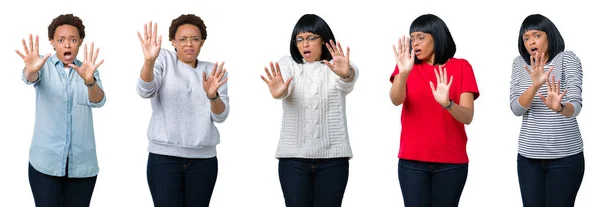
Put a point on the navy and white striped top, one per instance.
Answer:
(546, 134)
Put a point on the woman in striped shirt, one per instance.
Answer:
(546, 90)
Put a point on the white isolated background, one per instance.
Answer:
(249, 34)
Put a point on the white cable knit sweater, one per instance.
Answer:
(314, 112)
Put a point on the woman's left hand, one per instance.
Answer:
(341, 62)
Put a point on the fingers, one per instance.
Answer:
(91, 57)
(85, 53)
(437, 75)
(431, 86)
(348, 53)
(37, 44)
(264, 79)
(340, 50)
(221, 74)
(96, 55)
(273, 70)
(267, 71)
(20, 54)
(25, 47)
(563, 93)
(330, 49)
(140, 38)
(148, 30)
(412, 54)
(30, 43)
(550, 70)
(46, 57)
(287, 83)
(555, 85)
(406, 46)
(204, 79)
(527, 69)
(154, 32)
(443, 75)
(328, 64)
(159, 40)
(99, 64)
(214, 69)
(532, 60)
(450, 83)
(542, 97)
(77, 68)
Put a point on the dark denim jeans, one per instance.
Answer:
(52, 191)
(550, 182)
(313, 182)
(178, 182)
(427, 184)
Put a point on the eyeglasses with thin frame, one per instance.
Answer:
(194, 39)
(419, 38)
(311, 40)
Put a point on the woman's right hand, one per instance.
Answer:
(150, 44)
(33, 62)
(277, 87)
(404, 58)
(536, 72)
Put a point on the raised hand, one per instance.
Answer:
(150, 44)
(536, 72)
(212, 83)
(441, 93)
(341, 62)
(33, 62)
(404, 58)
(88, 66)
(554, 98)
(277, 87)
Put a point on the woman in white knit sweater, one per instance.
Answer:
(312, 83)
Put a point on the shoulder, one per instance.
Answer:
(566, 55)
(459, 63)
(286, 59)
(205, 65)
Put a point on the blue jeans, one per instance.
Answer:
(427, 184)
(176, 181)
(52, 191)
(550, 182)
(313, 182)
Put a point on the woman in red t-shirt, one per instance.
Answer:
(437, 93)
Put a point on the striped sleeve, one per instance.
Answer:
(516, 88)
(573, 77)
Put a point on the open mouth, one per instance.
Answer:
(306, 54)
(534, 50)
(68, 55)
(417, 52)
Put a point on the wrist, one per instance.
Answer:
(562, 107)
(213, 97)
(88, 84)
(447, 104)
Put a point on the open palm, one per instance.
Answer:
(88, 65)
(274, 80)
(554, 98)
(441, 92)
(404, 58)
(33, 62)
(150, 44)
(341, 62)
(214, 80)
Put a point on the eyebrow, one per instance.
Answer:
(65, 36)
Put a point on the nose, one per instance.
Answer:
(68, 44)
(305, 43)
(531, 41)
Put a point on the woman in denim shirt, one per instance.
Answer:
(62, 158)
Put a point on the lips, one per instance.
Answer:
(189, 51)
(68, 56)
(533, 50)
(417, 52)
(306, 54)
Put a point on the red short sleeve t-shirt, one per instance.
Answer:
(429, 133)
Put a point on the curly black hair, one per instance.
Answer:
(66, 19)
(187, 19)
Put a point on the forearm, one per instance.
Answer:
(568, 110)
(526, 98)
(217, 106)
(462, 114)
(398, 91)
(147, 73)
(95, 93)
